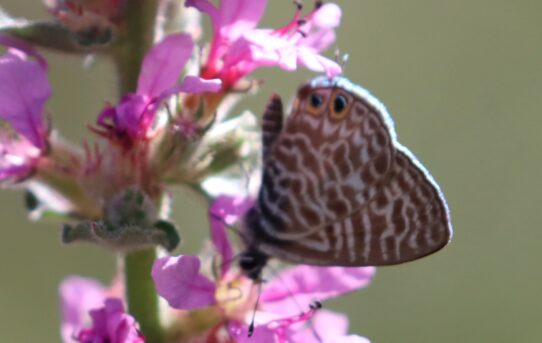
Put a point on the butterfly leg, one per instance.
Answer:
(272, 120)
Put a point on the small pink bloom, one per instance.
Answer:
(238, 48)
(24, 89)
(162, 66)
(179, 281)
(111, 324)
(77, 297)
(90, 316)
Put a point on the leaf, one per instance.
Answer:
(53, 35)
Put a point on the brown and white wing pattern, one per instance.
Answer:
(320, 167)
(406, 220)
(339, 189)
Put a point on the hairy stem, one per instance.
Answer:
(135, 37)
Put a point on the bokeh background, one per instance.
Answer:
(463, 81)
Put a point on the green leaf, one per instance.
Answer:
(54, 35)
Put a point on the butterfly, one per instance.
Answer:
(338, 189)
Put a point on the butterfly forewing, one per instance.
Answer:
(321, 168)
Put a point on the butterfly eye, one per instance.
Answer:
(339, 106)
(315, 103)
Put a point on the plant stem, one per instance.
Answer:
(135, 37)
(141, 294)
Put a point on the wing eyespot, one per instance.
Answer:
(315, 103)
(339, 106)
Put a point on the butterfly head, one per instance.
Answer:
(252, 262)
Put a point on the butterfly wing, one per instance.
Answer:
(320, 169)
(406, 220)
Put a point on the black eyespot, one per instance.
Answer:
(339, 103)
(316, 100)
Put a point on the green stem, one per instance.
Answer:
(135, 37)
(141, 294)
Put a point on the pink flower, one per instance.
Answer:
(24, 89)
(133, 118)
(111, 324)
(238, 48)
(85, 301)
(180, 282)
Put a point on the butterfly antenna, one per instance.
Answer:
(344, 60)
(315, 305)
(251, 326)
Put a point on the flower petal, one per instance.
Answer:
(23, 92)
(131, 113)
(192, 84)
(205, 6)
(327, 324)
(17, 157)
(261, 334)
(239, 16)
(20, 45)
(121, 327)
(259, 48)
(315, 62)
(110, 323)
(163, 64)
(328, 16)
(300, 286)
(195, 84)
(77, 297)
(177, 279)
(226, 210)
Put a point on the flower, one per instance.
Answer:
(85, 300)
(111, 324)
(133, 118)
(179, 281)
(238, 47)
(24, 89)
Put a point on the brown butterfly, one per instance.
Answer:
(338, 189)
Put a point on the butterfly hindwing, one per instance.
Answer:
(406, 220)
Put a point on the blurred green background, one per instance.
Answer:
(463, 81)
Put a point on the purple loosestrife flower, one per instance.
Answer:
(180, 282)
(133, 118)
(111, 324)
(91, 314)
(24, 89)
(238, 47)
